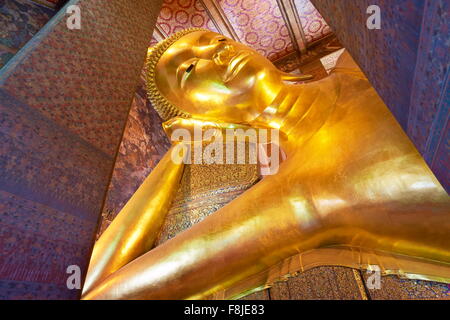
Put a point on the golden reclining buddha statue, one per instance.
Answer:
(353, 190)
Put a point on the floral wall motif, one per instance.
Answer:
(314, 26)
(257, 23)
(177, 15)
(260, 25)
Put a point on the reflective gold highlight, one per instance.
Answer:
(135, 228)
(353, 190)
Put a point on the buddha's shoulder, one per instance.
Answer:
(346, 65)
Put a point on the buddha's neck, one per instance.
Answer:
(299, 111)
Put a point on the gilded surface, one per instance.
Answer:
(352, 192)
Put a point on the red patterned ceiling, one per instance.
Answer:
(177, 15)
(314, 26)
(262, 24)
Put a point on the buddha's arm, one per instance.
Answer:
(262, 226)
(275, 221)
(134, 230)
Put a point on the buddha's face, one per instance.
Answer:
(211, 76)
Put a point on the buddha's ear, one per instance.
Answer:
(295, 77)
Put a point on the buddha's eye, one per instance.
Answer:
(189, 69)
(221, 40)
(183, 76)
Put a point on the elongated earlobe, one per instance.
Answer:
(295, 77)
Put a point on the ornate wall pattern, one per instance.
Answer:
(64, 101)
(321, 283)
(257, 23)
(428, 122)
(260, 25)
(177, 15)
(407, 61)
(314, 26)
(395, 288)
(205, 189)
(107, 96)
(338, 283)
(20, 20)
(144, 143)
(51, 183)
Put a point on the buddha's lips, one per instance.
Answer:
(236, 64)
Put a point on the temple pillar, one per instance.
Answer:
(64, 102)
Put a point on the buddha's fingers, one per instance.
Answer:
(243, 238)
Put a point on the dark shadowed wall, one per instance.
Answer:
(20, 20)
(144, 143)
(64, 102)
(407, 62)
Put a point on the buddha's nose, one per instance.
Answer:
(223, 54)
